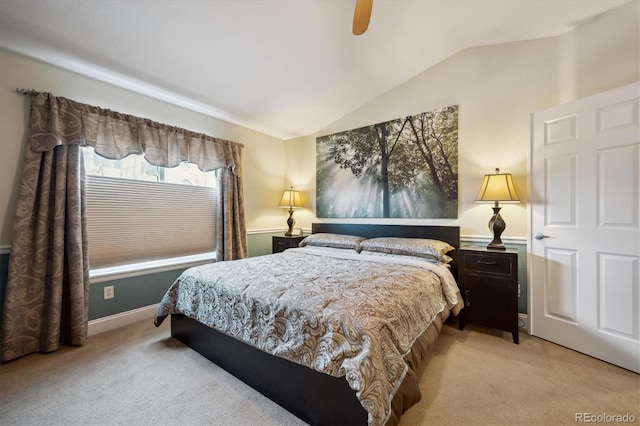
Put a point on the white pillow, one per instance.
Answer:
(333, 240)
(419, 247)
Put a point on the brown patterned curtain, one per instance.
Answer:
(46, 300)
(230, 221)
(47, 291)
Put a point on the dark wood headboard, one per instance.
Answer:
(450, 234)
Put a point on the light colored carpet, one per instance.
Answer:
(138, 375)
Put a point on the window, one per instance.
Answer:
(139, 212)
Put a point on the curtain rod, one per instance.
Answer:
(26, 92)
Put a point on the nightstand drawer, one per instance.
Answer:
(280, 244)
(488, 263)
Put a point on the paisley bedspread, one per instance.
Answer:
(341, 314)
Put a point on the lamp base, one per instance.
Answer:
(497, 225)
(290, 222)
(496, 246)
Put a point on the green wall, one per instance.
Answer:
(144, 290)
(130, 293)
(260, 244)
(135, 292)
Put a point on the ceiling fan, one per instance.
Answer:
(361, 16)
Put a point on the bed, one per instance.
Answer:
(316, 360)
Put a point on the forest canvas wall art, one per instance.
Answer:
(403, 168)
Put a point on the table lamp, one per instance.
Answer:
(291, 200)
(495, 188)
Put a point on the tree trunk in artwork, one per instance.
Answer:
(381, 134)
(423, 146)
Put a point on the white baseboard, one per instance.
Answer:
(523, 321)
(112, 322)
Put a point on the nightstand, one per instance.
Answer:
(489, 285)
(282, 243)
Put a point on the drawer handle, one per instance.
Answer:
(486, 262)
(467, 301)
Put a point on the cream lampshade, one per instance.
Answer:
(290, 200)
(495, 188)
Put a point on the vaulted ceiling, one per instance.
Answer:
(286, 68)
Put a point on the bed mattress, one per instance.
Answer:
(335, 311)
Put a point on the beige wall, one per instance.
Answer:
(263, 156)
(497, 88)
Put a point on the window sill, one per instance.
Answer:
(111, 273)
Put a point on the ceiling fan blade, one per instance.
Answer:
(362, 16)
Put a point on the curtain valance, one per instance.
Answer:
(59, 121)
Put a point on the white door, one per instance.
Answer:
(585, 217)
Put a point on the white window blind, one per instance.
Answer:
(131, 221)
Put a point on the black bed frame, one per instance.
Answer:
(316, 398)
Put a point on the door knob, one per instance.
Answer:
(540, 236)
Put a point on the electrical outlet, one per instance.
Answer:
(108, 292)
